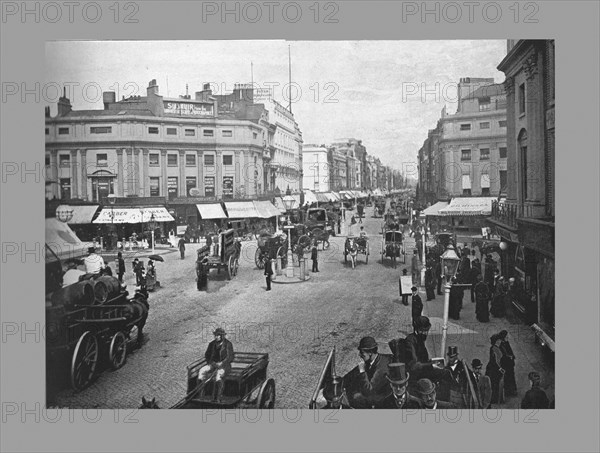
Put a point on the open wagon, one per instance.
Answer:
(92, 321)
(355, 246)
(246, 385)
(393, 247)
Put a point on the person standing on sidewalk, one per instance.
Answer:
(414, 268)
(181, 246)
(475, 272)
(456, 382)
(495, 371)
(429, 283)
(314, 256)
(483, 385)
(120, 266)
(535, 398)
(417, 304)
(268, 272)
(508, 363)
(402, 294)
(482, 300)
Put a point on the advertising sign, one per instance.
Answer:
(227, 186)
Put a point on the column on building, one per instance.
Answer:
(136, 172)
(54, 173)
(534, 109)
(145, 181)
(163, 172)
(219, 174)
(120, 189)
(239, 182)
(74, 173)
(182, 186)
(84, 179)
(200, 166)
(128, 172)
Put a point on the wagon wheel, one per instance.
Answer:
(230, 273)
(236, 266)
(117, 352)
(84, 361)
(258, 259)
(266, 395)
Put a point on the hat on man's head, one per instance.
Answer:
(452, 351)
(422, 322)
(404, 271)
(476, 363)
(333, 389)
(425, 386)
(219, 331)
(397, 373)
(534, 377)
(414, 288)
(367, 343)
(91, 249)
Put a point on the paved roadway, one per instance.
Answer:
(297, 324)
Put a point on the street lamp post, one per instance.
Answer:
(152, 226)
(111, 199)
(289, 202)
(450, 262)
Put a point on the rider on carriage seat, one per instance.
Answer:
(219, 356)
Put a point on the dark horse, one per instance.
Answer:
(149, 404)
(137, 309)
(393, 251)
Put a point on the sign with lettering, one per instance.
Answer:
(209, 186)
(227, 186)
(188, 109)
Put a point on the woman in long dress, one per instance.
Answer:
(495, 371)
(508, 364)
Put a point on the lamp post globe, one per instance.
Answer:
(64, 213)
(503, 246)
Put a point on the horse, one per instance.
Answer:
(351, 248)
(149, 404)
(393, 250)
(137, 309)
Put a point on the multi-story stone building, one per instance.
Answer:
(315, 168)
(337, 168)
(525, 220)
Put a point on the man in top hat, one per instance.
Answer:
(416, 355)
(535, 398)
(483, 385)
(366, 384)
(428, 398)
(456, 382)
(400, 398)
(219, 355)
(93, 262)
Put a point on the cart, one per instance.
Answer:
(225, 254)
(270, 246)
(81, 335)
(245, 386)
(393, 247)
(355, 246)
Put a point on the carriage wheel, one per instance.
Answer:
(236, 265)
(258, 259)
(117, 353)
(84, 360)
(266, 395)
(230, 267)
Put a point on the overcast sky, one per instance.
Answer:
(385, 93)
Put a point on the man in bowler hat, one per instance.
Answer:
(367, 384)
(400, 398)
(428, 397)
(483, 385)
(268, 272)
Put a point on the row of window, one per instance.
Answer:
(64, 160)
(152, 130)
(485, 191)
(483, 125)
(484, 153)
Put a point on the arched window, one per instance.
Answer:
(522, 145)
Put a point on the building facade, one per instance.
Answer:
(315, 167)
(525, 219)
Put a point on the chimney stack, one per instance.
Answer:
(152, 88)
(64, 104)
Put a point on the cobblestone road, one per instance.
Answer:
(296, 324)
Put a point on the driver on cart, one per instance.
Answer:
(219, 356)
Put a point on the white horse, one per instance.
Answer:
(351, 248)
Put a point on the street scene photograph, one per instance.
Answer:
(277, 224)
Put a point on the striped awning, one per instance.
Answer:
(211, 211)
(468, 206)
(241, 210)
(134, 215)
(83, 214)
(322, 198)
(310, 197)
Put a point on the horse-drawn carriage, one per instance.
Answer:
(393, 246)
(276, 245)
(355, 246)
(246, 386)
(90, 322)
(379, 208)
(224, 254)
